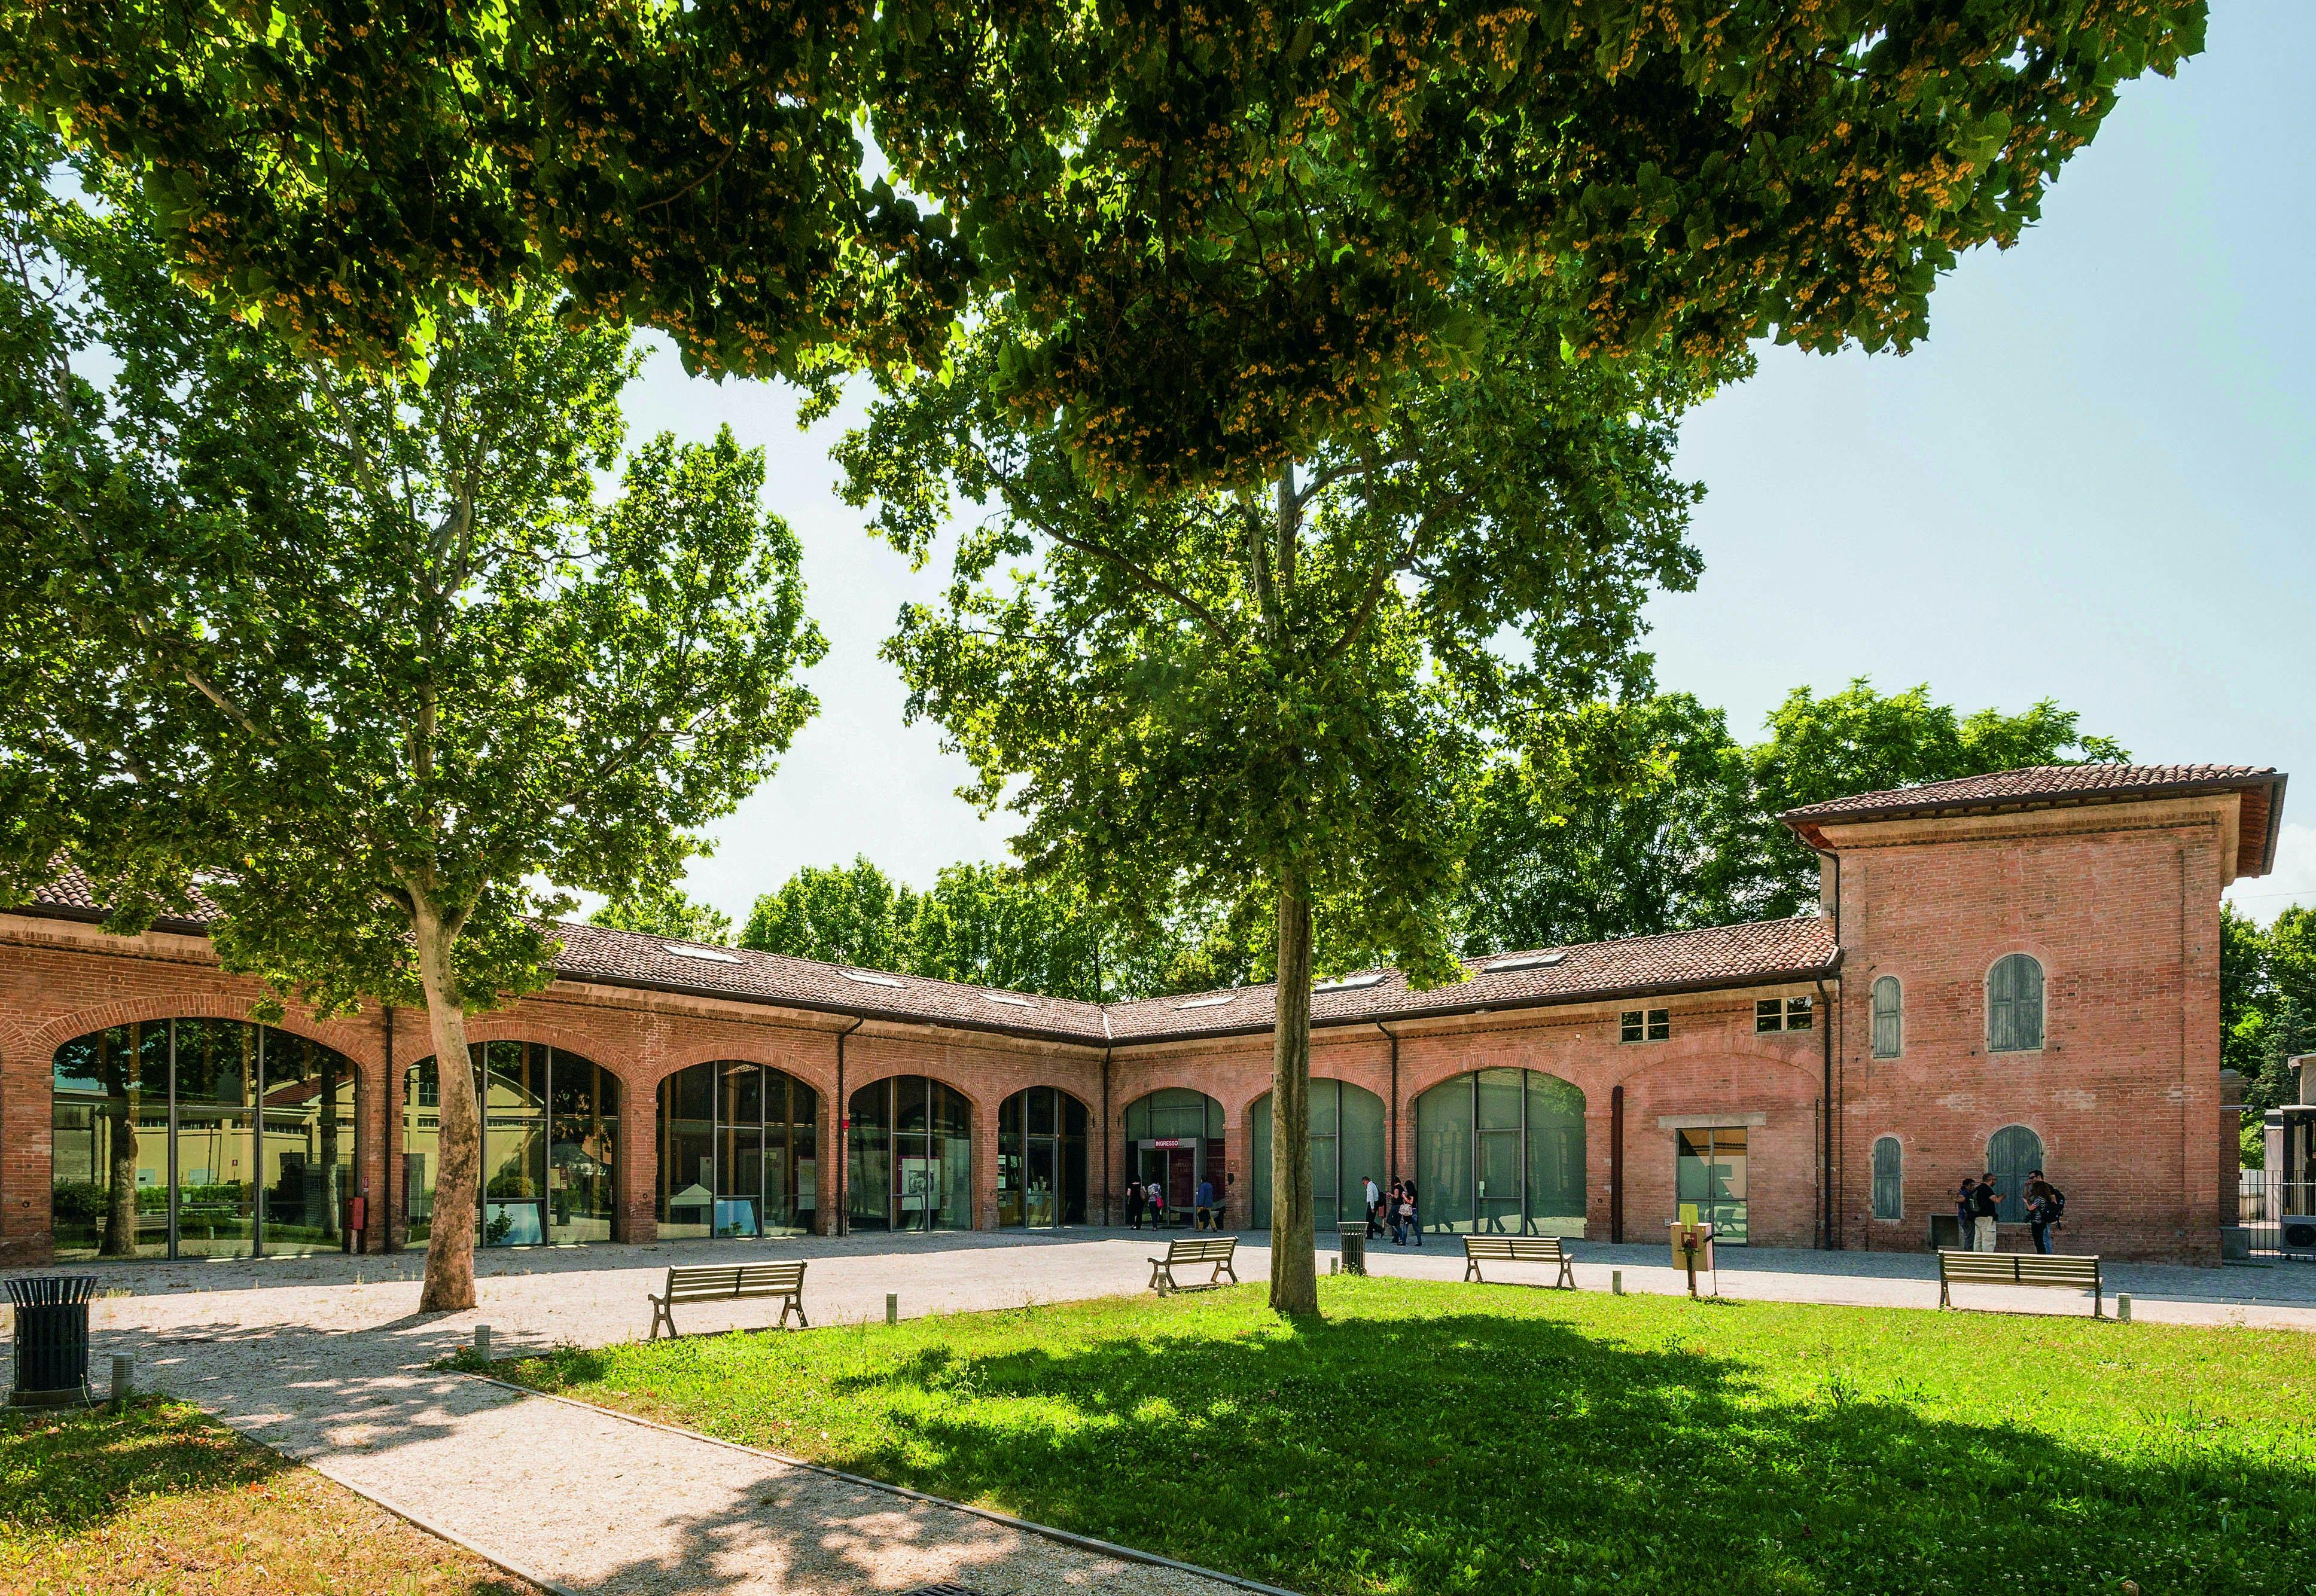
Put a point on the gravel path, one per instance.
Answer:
(326, 1360)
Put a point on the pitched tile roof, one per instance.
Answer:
(2043, 786)
(1758, 952)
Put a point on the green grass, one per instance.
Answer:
(1438, 1438)
(161, 1500)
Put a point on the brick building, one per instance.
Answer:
(2008, 972)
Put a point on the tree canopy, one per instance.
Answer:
(1266, 206)
(367, 657)
(664, 911)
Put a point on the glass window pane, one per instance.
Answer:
(1629, 1025)
(109, 1119)
(1800, 1013)
(1659, 1024)
(1556, 1155)
(1362, 1141)
(1043, 1110)
(687, 1153)
(1499, 1099)
(582, 1154)
(422, 1148)
(216, 1063)
(1444, 1156)
(308, 1144)
(1768, 1015)
(215, 1207)
(1258, 1152)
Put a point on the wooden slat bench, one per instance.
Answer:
(1215, 1250)
(1518, 1249)
(2077, 1273)
(727, 1281)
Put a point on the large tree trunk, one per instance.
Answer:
(120, 1080)
(1293, 1261)
(451, 1242)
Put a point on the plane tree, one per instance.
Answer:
(1285, 687)
(366, 661)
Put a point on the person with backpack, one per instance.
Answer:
(1157, 1206)
(1966, 1213)
(2044, 1205)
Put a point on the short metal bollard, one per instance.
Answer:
(2122, 1307)
(892, 1307)
(1331, 1264)
(482, 1343)
(124, 1378)
(1354, 1239)
(1616, 1283)
(52, 1339)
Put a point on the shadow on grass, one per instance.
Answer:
(1470, 1452)
(71, 1470)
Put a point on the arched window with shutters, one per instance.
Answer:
(2013, 1153)
(1889, 1017)
(2014, 1005)
(1889, 1179)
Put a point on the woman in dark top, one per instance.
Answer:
(1134, 1203)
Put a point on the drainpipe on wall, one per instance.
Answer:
(843, 1220)
(1108, 1176)
(1387, 1031)
(1617, 1163)
(1825, 1036)
(394, 1196)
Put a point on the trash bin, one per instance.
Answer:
(1355, 1246)
(52, 1339)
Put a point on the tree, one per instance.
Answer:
(1196, 695)
(663, 910)
(1641, 819)
(371, 655)
(842, 915)
(1219, 233)
(1859, 740)
(2245, 996)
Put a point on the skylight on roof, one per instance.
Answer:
(712, 956)
(1524, 962)
(868, 978)
(1214, 1002)
(1351, 983)
(1009, 997)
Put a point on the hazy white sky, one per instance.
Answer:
(2095, 483)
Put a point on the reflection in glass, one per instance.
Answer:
(550, 1138)
(1501, 1150)
(1347, 1149)
(737, 1151)
(911, 1152)
(1709, 1173)
(1041, 1159)
(255, 1155)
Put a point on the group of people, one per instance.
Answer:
(1979, 1203)
(1148, 1200)
(1395, 1211)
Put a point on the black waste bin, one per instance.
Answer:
(1355, 1246)
(52, 1339)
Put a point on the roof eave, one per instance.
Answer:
(1811, 827)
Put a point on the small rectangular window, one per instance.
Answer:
(1769, 1014)
(1659, 1024)
(1800, 1014)
(1632, 1027)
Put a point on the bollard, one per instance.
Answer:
(1331, 1264)
(892, 1307)
(2122, 1307)
(482, 1343)
(123, 1378)
(1616, 1283)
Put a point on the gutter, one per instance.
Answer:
(1825, 1036)
(844, 1215)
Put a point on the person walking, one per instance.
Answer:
(1157, 1206)
(2044, 1203)
(1984, 1205)
(1375, 1205)
(1206, 1205)
(1966, 1214)
(1409, 1213)
(1134, 1203)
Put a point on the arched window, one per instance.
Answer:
(1174, 1139)
(909, 1160)
(1347, 1148)
(1889, 1177)
(1041, 1159)
(739, 1152)
(2013, 1153)
(1889, 1017)
(1501, 1150)
(2014, 1005)
(200, 1137)
(550, 1130)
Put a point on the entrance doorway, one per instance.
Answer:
(1709, 1175)
(1174, 1139)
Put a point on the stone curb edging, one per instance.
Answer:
(1067, 1538)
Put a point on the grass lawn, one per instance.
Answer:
(163, 1500)
(1431, 1436)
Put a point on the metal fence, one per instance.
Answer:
(2263, 1203)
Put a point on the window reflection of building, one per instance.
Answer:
(1041, 1159)
(549, 1148)
(1709, 1175)
(1502, 1151)
(200, 1137)
(738, 1152)
(910, 1155)
(1174, 1141)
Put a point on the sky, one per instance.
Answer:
(2094, 482)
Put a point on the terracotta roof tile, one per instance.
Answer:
(2037, 786)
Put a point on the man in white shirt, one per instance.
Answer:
(1375, 1195)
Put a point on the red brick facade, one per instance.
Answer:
(2118, 902)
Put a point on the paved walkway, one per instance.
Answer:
(325, 1359)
